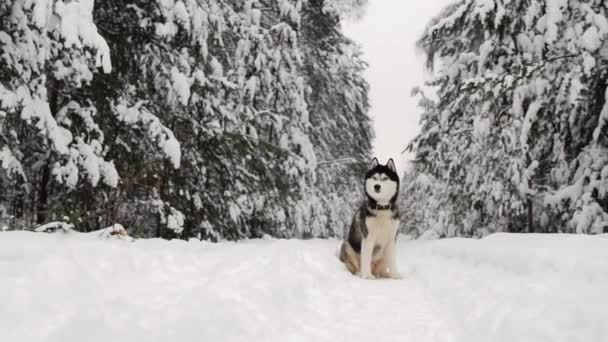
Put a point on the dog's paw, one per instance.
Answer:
(396, 275)
(366, 276)
(383, 274)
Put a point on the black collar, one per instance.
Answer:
(382, 207)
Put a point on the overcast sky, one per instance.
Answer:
(388, 33)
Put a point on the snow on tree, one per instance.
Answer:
(338, 103)
(49, 50)
(202, 128)
(519, 115)
(345, 8)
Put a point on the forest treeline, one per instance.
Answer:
(215, 119)
(514, 120)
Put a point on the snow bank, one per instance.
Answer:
(76, 287)
(509, 287)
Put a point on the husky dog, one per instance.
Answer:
(368, 249)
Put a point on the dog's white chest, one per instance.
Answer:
(382, 227)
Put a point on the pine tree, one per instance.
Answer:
(520, 113)
(203, 128)
(48, 133)
(339, 104)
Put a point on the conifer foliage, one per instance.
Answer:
(215, 119)
(516, 138)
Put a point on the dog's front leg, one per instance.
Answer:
(391, 256)
(367, 247)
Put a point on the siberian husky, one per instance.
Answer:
(368, 249)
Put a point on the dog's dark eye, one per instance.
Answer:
(385, 178)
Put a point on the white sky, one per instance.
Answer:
(388, 33)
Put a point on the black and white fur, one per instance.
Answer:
(368, 249)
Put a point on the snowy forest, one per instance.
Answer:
(213, 119)
(231, 119)
(515, 120)
(218, 170)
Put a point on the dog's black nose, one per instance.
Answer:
(377, 187)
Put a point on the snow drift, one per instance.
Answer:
(75, 287)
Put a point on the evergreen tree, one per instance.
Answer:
(338, 106)
(49, 133)
(203, 128)
(518, 134)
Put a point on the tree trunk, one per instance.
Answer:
(158, 226)
(42, 208)
(530, 216)
(43, 197)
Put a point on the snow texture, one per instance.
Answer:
(164, 136)
(77, 287)
(554, 14)
(77, 27)
(10, 163)
(181, 84)
(175, 221)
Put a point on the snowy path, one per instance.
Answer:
(503, 288)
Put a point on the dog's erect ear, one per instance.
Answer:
(391, 165)
(374, 163)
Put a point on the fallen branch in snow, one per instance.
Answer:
(113, 231)
(55, 227)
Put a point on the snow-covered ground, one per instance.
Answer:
(76, 287)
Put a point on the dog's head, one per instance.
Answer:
(382, 182)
